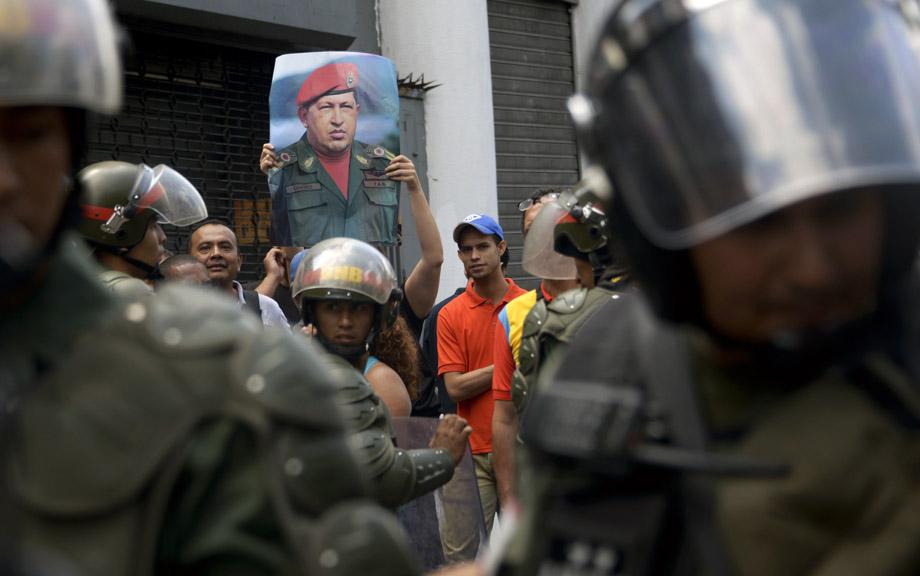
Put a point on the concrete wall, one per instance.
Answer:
(448, 42)
(588, 18)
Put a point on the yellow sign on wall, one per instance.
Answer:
(251, 219)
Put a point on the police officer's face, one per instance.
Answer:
(343, 322)
(35, 159)
(214, 245)
(480, 255)
(812, 266)
(151, 247)
(331, 122)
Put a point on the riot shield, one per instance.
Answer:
(444, 526)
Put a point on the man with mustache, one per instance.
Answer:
(325, 186)
(216, 246)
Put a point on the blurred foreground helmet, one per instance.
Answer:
(120, 199)
(59, 53)
(352, 270)
(540, 257)
(709, 114)
(54, 53)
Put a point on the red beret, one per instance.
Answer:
(331, 78)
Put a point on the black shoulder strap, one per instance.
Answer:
(665, 359)
(251, 299)
(623, 345)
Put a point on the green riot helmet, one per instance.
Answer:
(706, 115)
(350, 270)
(120, 199)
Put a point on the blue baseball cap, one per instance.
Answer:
(295, 263)
(485, 225)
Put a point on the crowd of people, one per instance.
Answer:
(717, 373)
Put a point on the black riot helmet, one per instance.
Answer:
(706, 115)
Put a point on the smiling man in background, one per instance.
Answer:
(215, 245)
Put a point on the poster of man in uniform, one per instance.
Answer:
(334, 129)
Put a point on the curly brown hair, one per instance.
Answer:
(396, 347)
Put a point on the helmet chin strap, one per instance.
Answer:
(351, 353)
(805, 354)
(152, 271)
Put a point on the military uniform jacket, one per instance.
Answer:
(849, 439)
(308, 207)
(124, 284)
(173, 435)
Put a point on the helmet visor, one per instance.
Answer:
(540, 258)
(164, 191)
(751, 106)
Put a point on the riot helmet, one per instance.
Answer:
(350, 270)
(709, 115)
(120, 199)
(61, 54)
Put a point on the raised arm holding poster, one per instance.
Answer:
(335, 129)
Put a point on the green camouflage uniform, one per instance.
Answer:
(123, 284)
(550, 326)
(308, 207)
(175, 435)
(397, 475)
(850, 440)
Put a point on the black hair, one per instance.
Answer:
(210, 222)
(540, 193)
(177, 260)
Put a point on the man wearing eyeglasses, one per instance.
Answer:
(506, 347)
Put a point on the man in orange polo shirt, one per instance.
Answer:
(465, 334)
(557, 274)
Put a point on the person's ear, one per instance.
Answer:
(502, 246)
(239, 260)
(302, 114)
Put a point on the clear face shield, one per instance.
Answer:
(540, 258)
(725, 111)
(164, 191)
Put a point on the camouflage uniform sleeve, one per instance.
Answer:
(270, 485)
(397, 475)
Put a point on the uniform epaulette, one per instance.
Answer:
(286, 157)
(375, 151)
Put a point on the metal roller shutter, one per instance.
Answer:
(202, 109)
(532, 76)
